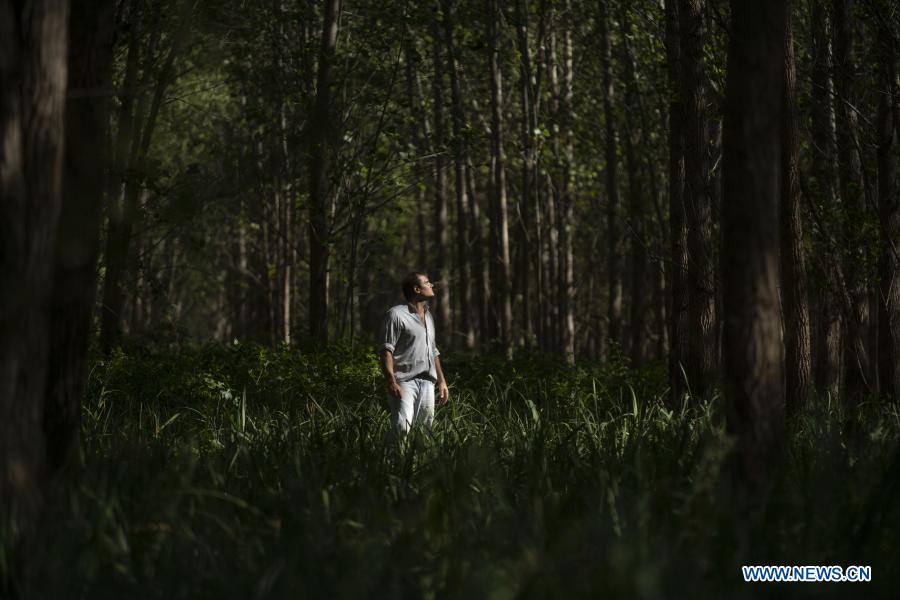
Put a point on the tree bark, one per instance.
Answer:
(501, 305)
(440, 192)
(322, 132)
(678, 263)
(636, 200)
(481, 293)
(889, 216)
(110, 312)
(543, 207)
(464, 301)
(752, 349)
(829, 326)
(551, 260)
(77, 246)
(412, 90)
(529, 245)
(614, 254)
(567, 195)
(701, 343)
(650, 162)
(793, 268)
(283, 185)
(33, 78)
(852, 191)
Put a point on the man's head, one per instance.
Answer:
(417, 287)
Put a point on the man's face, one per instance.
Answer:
(425, 289)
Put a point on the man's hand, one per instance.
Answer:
(394, 388)
(443, 391)
(387, 368)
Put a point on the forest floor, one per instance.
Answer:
(243, 472)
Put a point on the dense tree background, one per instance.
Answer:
(699, 193)
(276, 167)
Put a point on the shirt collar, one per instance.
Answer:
(412, 308)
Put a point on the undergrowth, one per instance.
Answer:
(245, 472)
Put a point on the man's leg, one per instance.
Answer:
(424, 407)
(403, 408)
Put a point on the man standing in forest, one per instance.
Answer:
(409, 357)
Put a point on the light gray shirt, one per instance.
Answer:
(410, 341)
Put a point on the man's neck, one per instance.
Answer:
(420, 306)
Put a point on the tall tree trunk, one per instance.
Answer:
(232, 282)
(701, 345)
(829, 320)
(889, 215)
(322, 132)
(110, 313)
(283, 184)
(553, 179)
(636, 201)
(464, 301)
(258, 259)
(33, 77)
(413, 92)
(660, 303)
(237, 280)
(752, 350)
(793, 269)
(77, 246)
(567, 194)
(614, 256)
(853, 202)
(442, 243)
(678, 263)
(543, 208)
(269, 246)
(501, 305)
(657, 242)
(479, 269)
(122, 217)
(529, 245)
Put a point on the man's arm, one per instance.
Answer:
(443, 390)
(387, 368)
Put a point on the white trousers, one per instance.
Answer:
(414, 406)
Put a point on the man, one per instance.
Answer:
(409, 357)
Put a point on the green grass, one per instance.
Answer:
(242, 472)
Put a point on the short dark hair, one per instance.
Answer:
(410, 283)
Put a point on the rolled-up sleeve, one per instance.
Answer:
(390, 332)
